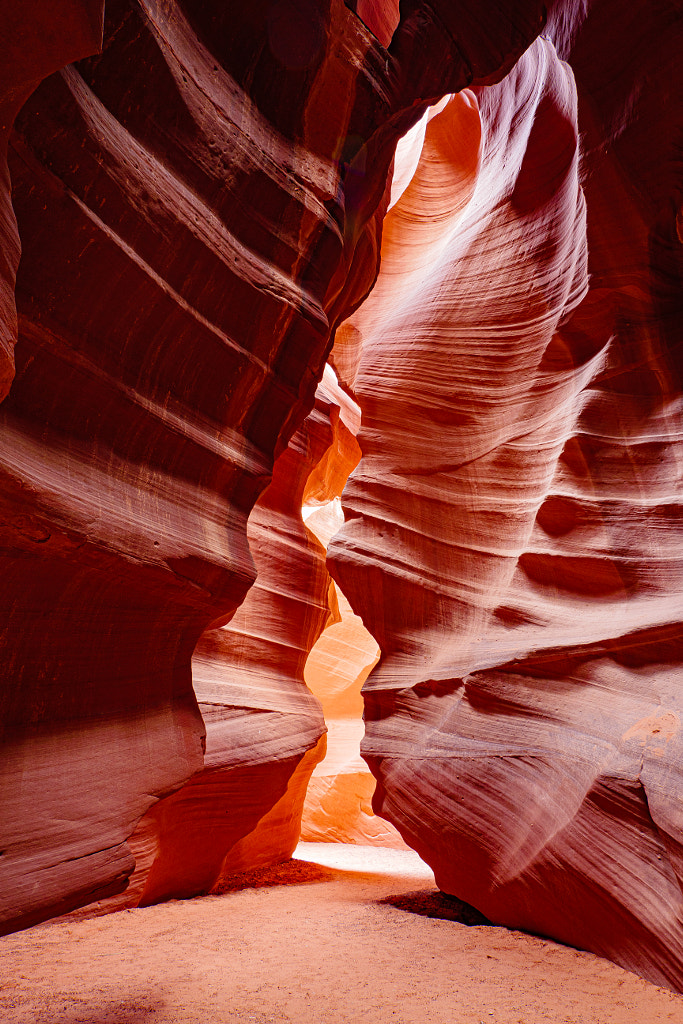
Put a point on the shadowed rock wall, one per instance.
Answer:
(265, 730)
(38, 37)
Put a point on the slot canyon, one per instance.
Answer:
(341, 402)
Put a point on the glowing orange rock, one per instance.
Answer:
(264, 729)
(338, 802)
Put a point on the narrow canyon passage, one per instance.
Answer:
(415, 268)
(335, 936)
(338, 804)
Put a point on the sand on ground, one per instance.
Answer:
(339, 934)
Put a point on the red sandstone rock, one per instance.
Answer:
(338, 800)
(197, 207)
(337, 807)
(514, 530)
(264, 729)
(37, 38)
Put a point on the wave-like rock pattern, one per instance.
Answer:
(337, 805)
(338, 800)
(513, 534)
(265, 729)
(198, 207)
(38, 37)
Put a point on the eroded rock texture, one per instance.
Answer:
(37, 37)
(513, 534)
(197, 208)
(338, 805)
(265, 731)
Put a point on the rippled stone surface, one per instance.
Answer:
(198, 207)
(513, 534)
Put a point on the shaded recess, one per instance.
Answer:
(438, 905)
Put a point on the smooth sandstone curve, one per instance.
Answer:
(513, 531)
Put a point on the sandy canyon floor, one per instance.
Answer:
(339, 934)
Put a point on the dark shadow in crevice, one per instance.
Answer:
(292, 872)
(433, 903)
(296, 872)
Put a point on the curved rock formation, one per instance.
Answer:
(38, 37)
(198, 207)
(338, 799)
(337, 805)
(264, 729)
(513, 534)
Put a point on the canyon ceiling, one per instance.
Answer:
(248, 250)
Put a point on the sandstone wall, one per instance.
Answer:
(513, 535)
(197, 207)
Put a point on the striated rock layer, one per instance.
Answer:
(265, 731)
(198, 207)
(37, 37)
(513, 534)
(338, 805)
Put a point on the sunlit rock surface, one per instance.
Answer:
(514, 528)
(197, 208)
(338, 806)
